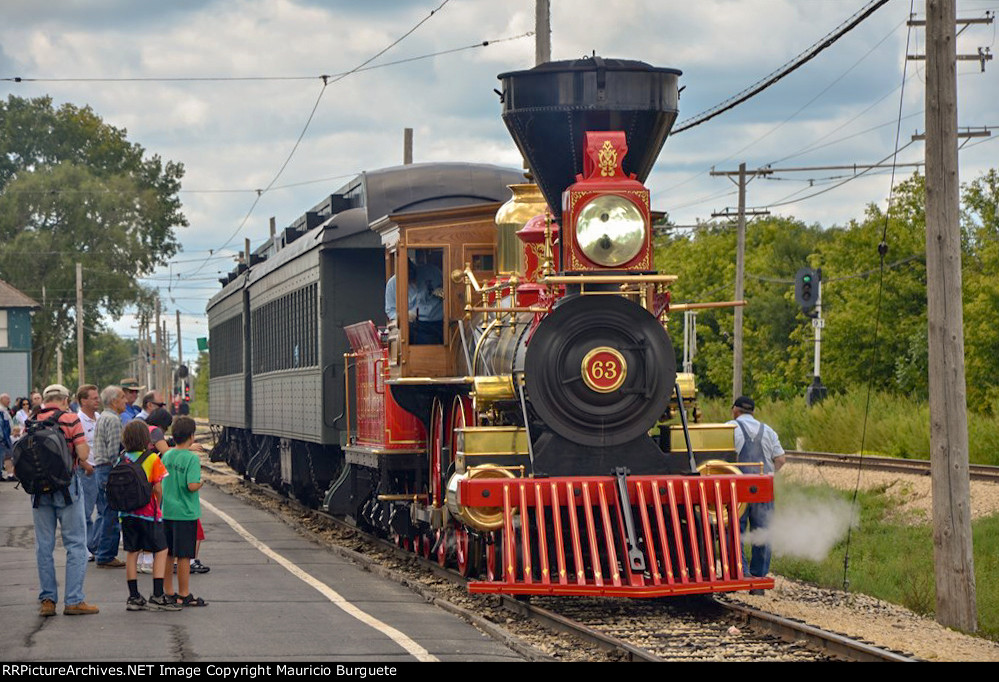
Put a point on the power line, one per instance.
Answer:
(783, 71)
(216, 79)
(326, 81)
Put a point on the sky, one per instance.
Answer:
(239, 135)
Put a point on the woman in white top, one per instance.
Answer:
(22, 416)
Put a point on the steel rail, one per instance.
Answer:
(977, 472)
(840, 645)
(786, 629)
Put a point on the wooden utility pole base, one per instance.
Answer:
(952, 541)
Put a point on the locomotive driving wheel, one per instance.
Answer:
(442, 542)
(438, 423)
(461, 551)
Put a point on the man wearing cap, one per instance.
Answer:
(757, 443)
(131, 387)
(52, 509)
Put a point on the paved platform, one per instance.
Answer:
(259, 609)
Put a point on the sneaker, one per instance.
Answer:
(47, 608)
(136, 604)
(161, 603)
(81, 609)
(144, 568)
(114, 563)
(198, 567)
(90, 556)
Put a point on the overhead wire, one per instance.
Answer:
(882, 252)
(326, 82)
(788, 68)
(684, 126)
(215, 79)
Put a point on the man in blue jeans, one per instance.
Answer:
(107, 443)
(758, 443)
(52, 509)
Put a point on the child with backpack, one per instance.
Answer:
(182, 510)
(138, 476)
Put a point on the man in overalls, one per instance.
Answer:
(758, 443)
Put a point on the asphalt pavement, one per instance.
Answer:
(272, 596)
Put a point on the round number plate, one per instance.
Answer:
(604, 369)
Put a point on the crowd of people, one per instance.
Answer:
(106, 430)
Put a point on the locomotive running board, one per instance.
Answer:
(564, 536)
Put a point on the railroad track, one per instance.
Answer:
(977, 472)
(632, 630)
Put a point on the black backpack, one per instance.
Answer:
(43, 460)
(128, 488)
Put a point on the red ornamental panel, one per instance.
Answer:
(381, 423)
(606, 214)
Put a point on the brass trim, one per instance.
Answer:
(492, 440)
(489, 389)
(590, 380)
(403, 498)
(608, 279)
(719, 467)
(702, 306)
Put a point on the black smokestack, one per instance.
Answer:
(549, 108)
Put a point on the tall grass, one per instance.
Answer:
(897, 425)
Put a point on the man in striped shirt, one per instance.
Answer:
(52, 509)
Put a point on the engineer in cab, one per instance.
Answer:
(426, 304)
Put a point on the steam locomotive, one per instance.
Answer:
(505, 421)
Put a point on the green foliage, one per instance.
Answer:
(705, 264)
(896, 425)
(73, 190)
(876, 326)
(107, 358)
(199, 392)
(894, 562)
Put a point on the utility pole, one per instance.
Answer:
(542, 32)
(407, 146)
(158, 361)
(740, 267)
(167, 364)
(81, 374)
(952, 540)
(180, 358)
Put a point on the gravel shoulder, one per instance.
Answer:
(862, 617)
(855, 615)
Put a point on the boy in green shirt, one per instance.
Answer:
(181, 510)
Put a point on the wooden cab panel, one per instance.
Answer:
(449, 239)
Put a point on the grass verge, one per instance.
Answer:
(894, 562)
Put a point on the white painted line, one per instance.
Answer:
(396, 636)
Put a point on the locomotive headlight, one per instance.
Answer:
(610, 230)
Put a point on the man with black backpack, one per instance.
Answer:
(57, 497)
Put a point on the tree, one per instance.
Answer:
(74, 189)
(777, 359)
(980, 222)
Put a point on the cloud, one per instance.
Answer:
(236, 134)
